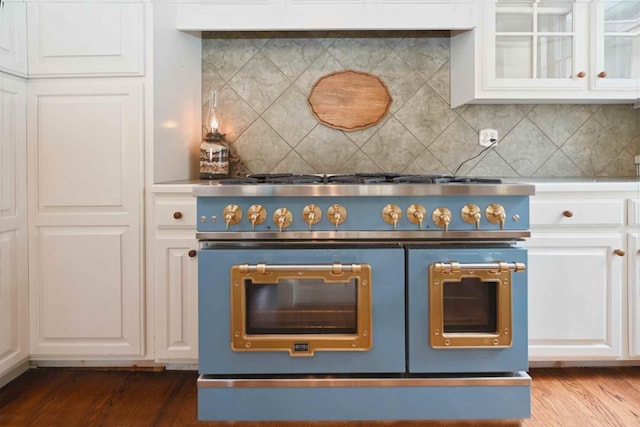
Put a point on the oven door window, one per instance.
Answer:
(300, 309)
(301, 306)
(469, 305)
(470, 308)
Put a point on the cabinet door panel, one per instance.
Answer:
(13, 152)
(634, 295)
(615, 45)
(575, 296)
(14, 342)
(85, 38)
(88, 136)
(176, 280)
(13, 38)
(87, 292)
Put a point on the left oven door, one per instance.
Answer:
(273, 310)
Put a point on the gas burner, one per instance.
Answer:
(241, 181)
(421, 179)
(473, 180)
(294, 179)
(356, 179)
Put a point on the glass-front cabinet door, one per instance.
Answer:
(615, 44)
(537, 44)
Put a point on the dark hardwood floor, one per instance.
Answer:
(71, 397)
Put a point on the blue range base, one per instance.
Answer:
(233, 400)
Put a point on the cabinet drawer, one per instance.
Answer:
(175, 211)
(577, 212)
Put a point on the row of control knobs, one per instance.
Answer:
(391, 214)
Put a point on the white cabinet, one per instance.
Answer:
(85, 38)
(634, 295)
(13, 38)
(615, 45)
(561, 51)
(85, 145)
(634, 277)
(14, 331)
(575, 296)
(580, 295)
(175, 277)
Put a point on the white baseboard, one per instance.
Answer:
(14, 373)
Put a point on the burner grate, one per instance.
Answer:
(358, 178)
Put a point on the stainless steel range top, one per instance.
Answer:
(362, 206)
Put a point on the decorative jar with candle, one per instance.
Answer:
(214, 151)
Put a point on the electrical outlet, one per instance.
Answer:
(486, 136)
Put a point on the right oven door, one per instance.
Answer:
(467, 309)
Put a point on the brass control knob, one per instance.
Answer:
(336, 214)
(283, 218)
(391, 214)
(471, 214)
(256, 214)
(441, 217)
(495, 214)
(416, 215)
(311, 214)
(232, 215)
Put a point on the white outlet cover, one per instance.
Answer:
(486, 135)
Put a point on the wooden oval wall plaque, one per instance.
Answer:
(349, 100)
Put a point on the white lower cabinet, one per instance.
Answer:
(85, 144)
(634, 295)
(584, 272)
(575, 296)
(14, 328)
(175, 278)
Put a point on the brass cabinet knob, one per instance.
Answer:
(567, 214)
(391, 214)
(471, 214)
(283, 218)
(232, 215)
(495, 214)
(581, 75)
(336, 214)
(177, 215)
(602, 75)
(192, 253)
(311, 214)
(256, 214)
(441, 217)
(416, 215)
(619, 252)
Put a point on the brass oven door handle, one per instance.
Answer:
(497, 266)
(336, 268)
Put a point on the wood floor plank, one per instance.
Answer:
(579, 397)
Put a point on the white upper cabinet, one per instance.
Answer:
(13, 38)
(615, 45)
(88, 38)
(548, 51)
